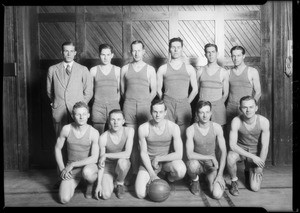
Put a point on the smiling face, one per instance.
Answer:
(116, 121)
(105, 56)
(81, 116)
(68, 53)
(204, 114)
(158, 112)
(137, 52)
(248, 108)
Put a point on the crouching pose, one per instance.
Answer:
(114, 163)
(204, 139)
(83, 151)
(161, 149)
(249, 141)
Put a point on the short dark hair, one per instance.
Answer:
(137, 42)
(174, 40)
(66, 43)
(247, 98)
(210, 45)
(115, 111)
(238, 48)
(80, 104)
(157, 101)
(105, 46)
(203, 103)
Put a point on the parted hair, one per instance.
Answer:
(247, 98)
(66, 43)
(175, 39)
(105, 46)
(137, 42)
(199, 105)
(80, 104)
(210, 45)
(238, 48)
(157, 101)
(115, 111)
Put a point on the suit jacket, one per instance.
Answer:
(65, 95)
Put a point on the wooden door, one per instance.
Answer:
(197, 25)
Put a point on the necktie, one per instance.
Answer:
(68, 69)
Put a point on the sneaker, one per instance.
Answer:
(234, 188)
(120, 191)
(195, 187)
(89, 190)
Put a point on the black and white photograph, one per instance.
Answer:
(142, 105)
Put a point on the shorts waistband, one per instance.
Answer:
(184, 100)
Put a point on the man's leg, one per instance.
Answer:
(122, 169)
(141, 182)
(90, 174)
(67, 189)
(256, 176)
(232, 159)
(193, 170)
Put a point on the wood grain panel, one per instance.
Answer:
(196, 8)
(103, 32)
(195, 35)
(57, 9)
(241, 7)
(154, 36)
(150, 8)
(242, 33)
(10, 124)
(100, 9)
(52, 35)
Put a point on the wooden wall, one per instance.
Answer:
(256, 27)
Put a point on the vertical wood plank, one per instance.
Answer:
(22, 110)
(126, 34)
(80, 33)
(266, 74)
(220, 31)
(173, 22)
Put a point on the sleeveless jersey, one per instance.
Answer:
(111, 147)
(137, 85)
(78, 148)
(249, 139)
(210, 86)
(239, 86)
(205, 145)
(159, 145)
(176, 82)
(106, 86)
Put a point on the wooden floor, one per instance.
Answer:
(35, 189)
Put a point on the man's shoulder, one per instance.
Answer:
(55, 66)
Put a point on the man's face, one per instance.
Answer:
(204, 114)
(237, 57)
(248, 108)
(137, 52)
(158, 112)
(68, 53)
(211, 54)
(105, 56)
(81, 116)
(176, 49)
(116, 121)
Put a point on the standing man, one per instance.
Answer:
(138, 88)
(114, 163)
(106, 87)
(160, 148)
(176, 77)
(249, 142)
(83, 151)
(213, 84)
(204, 137)
(243, 80)
(67, 83)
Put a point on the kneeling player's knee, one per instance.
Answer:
(255, 186)
(192, 166)
(65, 199)
(231, 158)
(123, 164)
(217, 191)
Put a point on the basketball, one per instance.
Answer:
(159, 190)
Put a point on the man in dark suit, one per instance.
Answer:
(67, 83)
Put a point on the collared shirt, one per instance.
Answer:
(66, 76)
